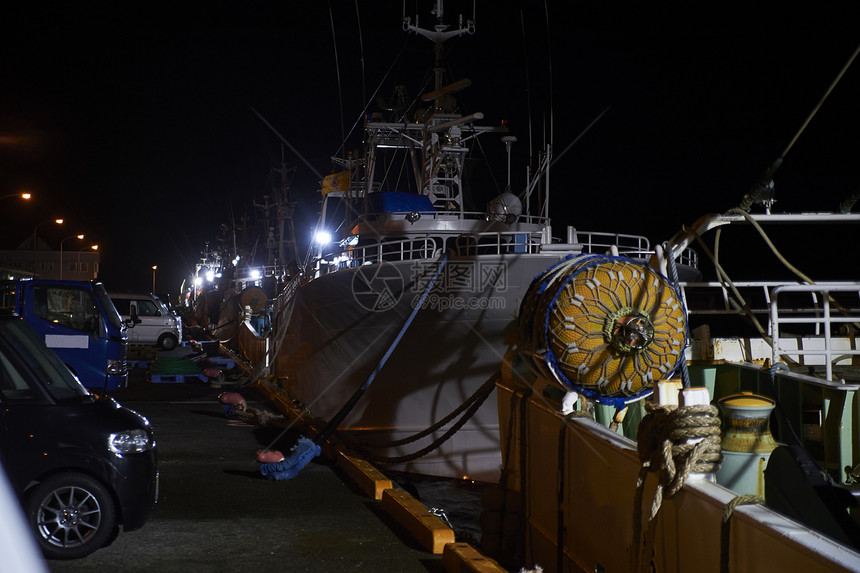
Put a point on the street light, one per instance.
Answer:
(93, 247)
(21, 195)
(61, 251)
(154, 267)
(35, 241)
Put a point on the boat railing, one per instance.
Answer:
(828, 318)
(633, 246)
(495, 243)
(809, 325)
(386, 250)
(689, 258)
(720, 299)
(448, 216)
(281, 308)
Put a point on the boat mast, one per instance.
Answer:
(442, 149)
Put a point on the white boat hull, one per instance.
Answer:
(339, 330)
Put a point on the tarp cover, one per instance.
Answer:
(398, 202)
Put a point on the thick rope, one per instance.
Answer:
(802, 276)
(480, 394)
(350, 404)
(436, 443)
(725, 528)
(664, 443)
(561, 527)
(682, 358)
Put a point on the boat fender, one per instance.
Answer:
(269, 456)
(231, 399)
(300, 455)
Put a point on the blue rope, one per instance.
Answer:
(345, 410)
(682, 360)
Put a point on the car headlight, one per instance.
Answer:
(117, 367)
(129, 442)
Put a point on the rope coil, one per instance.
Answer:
(672, 442)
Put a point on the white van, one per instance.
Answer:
(149, 320)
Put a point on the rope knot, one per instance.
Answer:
(675, 441)
(672, 441)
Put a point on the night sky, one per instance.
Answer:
(138, 128)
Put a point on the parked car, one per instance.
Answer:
(78, 321)
(149, 320)
(82, 465)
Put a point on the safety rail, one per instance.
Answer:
(633, 246)
(495, 243)
(826, 319)
(388, 251)
(447, 216)
(628, 245)
(717, 299)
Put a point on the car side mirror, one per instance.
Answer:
(94, 324)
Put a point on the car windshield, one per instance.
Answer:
(111, 313)
(161, 306)
(21, 349)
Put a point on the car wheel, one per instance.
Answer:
(167, 342)
(71, 515)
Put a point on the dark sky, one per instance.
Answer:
(137, 126)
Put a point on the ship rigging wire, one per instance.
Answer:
(766, 180)
(821, 101)
(337, 71)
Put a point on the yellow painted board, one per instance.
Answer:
(463, 558)
(369, 479)
(427, 529)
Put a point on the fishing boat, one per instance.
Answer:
(743, 456)
(654, 422)
(393, 328)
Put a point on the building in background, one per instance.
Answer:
(80, 263)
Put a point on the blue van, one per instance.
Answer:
(78, 321)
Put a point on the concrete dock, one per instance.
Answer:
(217, 513)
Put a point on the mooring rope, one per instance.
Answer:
(672, 442)
(350, 404)
(725, 528)
(436, 443)
(562, 480)
(682, 357)
(480, 394)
